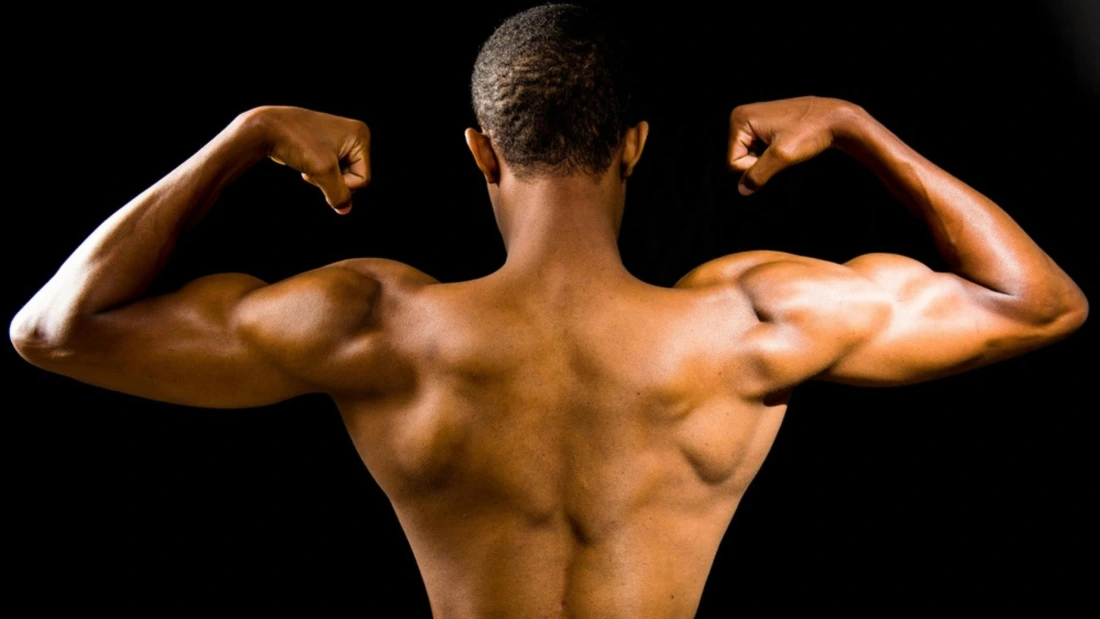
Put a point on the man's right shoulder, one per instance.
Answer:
(730, 269)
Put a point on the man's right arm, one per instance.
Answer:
(884, 319)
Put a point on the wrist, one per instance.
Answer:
(851, 126)
(250, 134)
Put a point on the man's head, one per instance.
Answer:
(552, 93)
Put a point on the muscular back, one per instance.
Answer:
(580, 448)
(557, 438)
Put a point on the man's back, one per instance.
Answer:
(593, 436)
(557, 438)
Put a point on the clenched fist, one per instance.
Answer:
(768, 137)
(331, 152)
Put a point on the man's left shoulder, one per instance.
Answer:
(387, 272)
(324, 308)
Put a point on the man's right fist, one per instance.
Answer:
(331, 152)
(768, 137)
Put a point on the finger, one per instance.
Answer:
(331, 183)
(357, 171)
(766, 166)
(743, 163)
(341, 210)
(739, 145)
(355, 157)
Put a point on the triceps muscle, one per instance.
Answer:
(184, 347)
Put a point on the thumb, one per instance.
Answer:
(761, 171)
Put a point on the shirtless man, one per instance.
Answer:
(557, 438)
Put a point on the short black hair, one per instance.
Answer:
(552, 88)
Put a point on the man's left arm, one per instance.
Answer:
(222, 340)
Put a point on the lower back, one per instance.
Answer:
(654, 564)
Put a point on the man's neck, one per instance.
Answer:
(561, 227)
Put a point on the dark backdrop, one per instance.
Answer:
(974, 490)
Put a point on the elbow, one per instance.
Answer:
(1064, 316)
(1075, 309)
(25, 334)
(1077, 314)
(37, 343)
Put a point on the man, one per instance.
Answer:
(557, 418)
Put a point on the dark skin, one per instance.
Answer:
(508, 418)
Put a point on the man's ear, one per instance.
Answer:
(483, 153)
(633, 144)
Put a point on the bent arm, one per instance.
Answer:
(980, 241)
(207, 344)
(1004, 295)
(884, 319)
(118, 262)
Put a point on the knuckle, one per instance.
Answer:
(328, 167)
(742, 113)
(313, 165)
(785, 152)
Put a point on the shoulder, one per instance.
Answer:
(334, 326)
(318, 311)
(809, 311)
(771, 273)
(357, 282)
(386, 272)
(783, 287)
(812, 294)
(729, 269)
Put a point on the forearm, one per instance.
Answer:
(117, 263)
(980, 242)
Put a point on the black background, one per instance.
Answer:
(971, 492)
